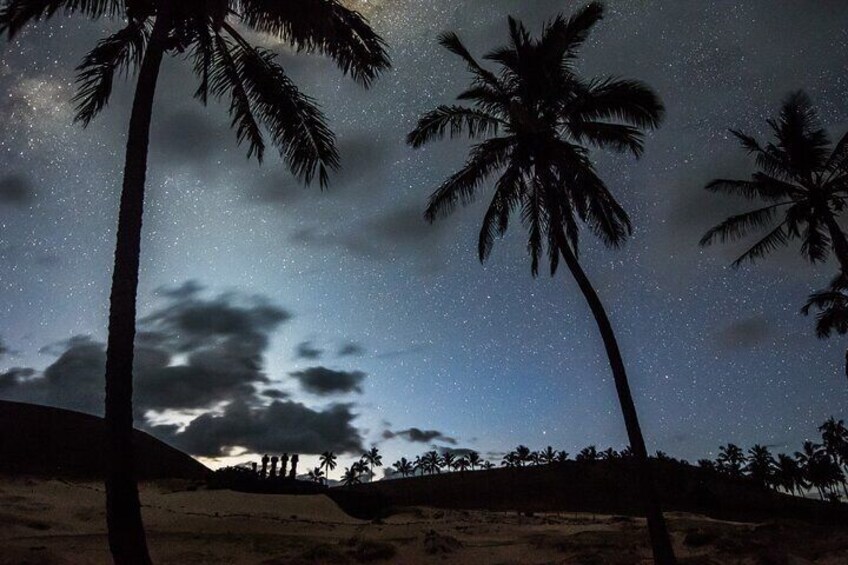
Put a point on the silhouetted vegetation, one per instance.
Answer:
(534, 120)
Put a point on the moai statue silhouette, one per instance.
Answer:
(293, 472)
(274, 460)
(284, 463)
(264, 472)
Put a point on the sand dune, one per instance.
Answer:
(50, 521)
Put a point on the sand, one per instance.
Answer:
(63, 522)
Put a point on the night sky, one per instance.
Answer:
(280, 318)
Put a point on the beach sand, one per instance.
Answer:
(52, 521)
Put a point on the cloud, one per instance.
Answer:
(198, 353)
(745, 333)
(305, 350)
(15, 190)
(350, 349)
(4, 349)
(288, 426)
(417, 435)
(323, 381)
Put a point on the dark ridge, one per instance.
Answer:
(603, 487)
(52, 442)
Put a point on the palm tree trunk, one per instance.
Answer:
(657, 529)
(127, 539)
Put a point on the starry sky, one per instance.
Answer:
(362, 324)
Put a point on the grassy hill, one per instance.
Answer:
(44, 441)
(604, 487)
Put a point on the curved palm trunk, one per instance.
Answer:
(127, 540)
(660, 540)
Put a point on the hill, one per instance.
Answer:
(603, 487)
(44, 441)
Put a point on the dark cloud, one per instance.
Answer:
(323, 381)
(416, 435)
(16, 190)
(274, 394)
(287, 427)
(192, 353)
(350, 349)
(745, 334)
(305, 350)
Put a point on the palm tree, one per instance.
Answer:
(609, 454)
(316, 475)
(802, 181)
(789, 475)
(487, 465)
(431, 462)
(832, 306)
(535, 118)
(448, 460)
(731, 460)
(474, 459)
(548, 455)
(261, 96)
(327, 461)
(372, 457)
(819, 469)
(462, 464)
(562, 456)
(403, 467)
(589, 453)
(522, 455)
(761, 466)
(835, 442)
(351, 476)
(509, 460)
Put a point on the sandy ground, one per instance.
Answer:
(45, 522)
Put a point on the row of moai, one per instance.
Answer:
(267, 472)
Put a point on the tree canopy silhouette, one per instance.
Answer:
(263, 101)
(802, 180)
(533, 120)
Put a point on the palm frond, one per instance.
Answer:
(838, 160)
(322, 26)
(453, 119)
(297, 126)
(815, 242)
(509, 191)
(562, 36)
(628, 101)
(774, 239)
(225, 80)
(453, 43)
(121, 52)
(485, 159)
(833, 312)
(617, 137)
(740, 225)
(763, 187)
(17, 14)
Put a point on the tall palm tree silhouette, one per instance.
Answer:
(403, 466)
(261, 96)
(548, 455)
(761, 466)
(327, 461)
(373, 458)
(474, 459)
(835, 442)
(535, 118)
(731, 459)
(789, 475)
(802, 181)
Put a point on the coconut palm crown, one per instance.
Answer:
(534, 118)
(803, 183)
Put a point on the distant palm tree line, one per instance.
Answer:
(822, 467)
